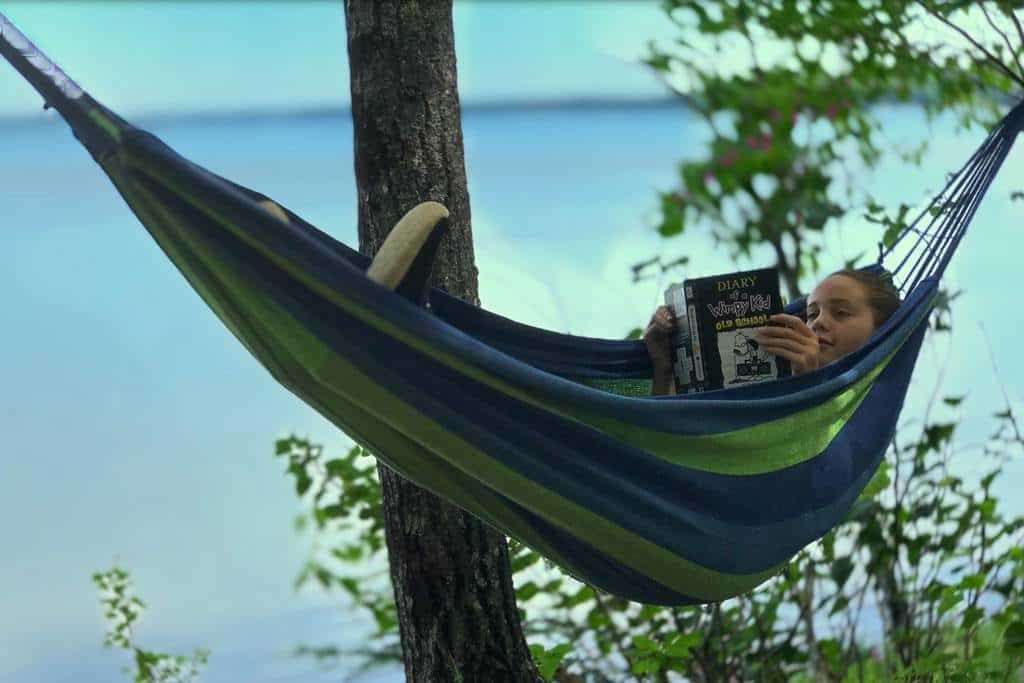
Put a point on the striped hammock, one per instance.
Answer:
(668, 500)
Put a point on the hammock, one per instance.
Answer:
(668, 500)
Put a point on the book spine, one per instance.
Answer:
(700, 377)
(683, 355)
(682, 364)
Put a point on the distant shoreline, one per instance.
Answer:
(591, 104)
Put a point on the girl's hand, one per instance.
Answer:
(792, 339)
(657, 338)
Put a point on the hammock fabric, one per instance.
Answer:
(667, 500)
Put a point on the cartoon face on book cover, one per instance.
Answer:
(735, 316)
(742, 358)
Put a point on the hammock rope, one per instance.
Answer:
(667, 500)
(953, 208)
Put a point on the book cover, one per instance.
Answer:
(722, 313)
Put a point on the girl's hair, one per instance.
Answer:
(882, 295)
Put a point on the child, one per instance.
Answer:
(842, 312)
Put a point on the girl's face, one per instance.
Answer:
(839, 315)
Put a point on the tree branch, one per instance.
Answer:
(1016, 23)
(1006, 38)
(978, 46)
(1002, 387)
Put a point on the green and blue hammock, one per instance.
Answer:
(668, 500)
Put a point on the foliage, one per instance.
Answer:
(346, 509)
(122, 609)
(794, 111)
(933, 557)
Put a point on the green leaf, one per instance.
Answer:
(584, 594)
(351, 586)
(951, 597)
(841, 603)
(644, 644)
(1013, 639)
(841, 570)
(527, 591)
(548, 660)
(349, 553)
(597, 619)
(331, 511)
(526, 559)
(890, 234)
(338, 467)
(878, 482)
(640, 666)
(658, 62)
(679, 645)
(971, 616)
(831, 651)
(323, 576)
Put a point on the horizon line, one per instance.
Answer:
(498, 105)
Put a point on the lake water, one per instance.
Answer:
(138, 430)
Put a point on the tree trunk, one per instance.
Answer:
(453, 586)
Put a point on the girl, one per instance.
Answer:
(842, 312)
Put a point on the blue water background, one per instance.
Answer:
(138, 430)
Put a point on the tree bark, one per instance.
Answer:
(453, 586)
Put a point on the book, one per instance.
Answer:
(716, 346)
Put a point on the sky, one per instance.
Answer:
(141, 433)
(265, 55)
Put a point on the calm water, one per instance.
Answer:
(138, 429)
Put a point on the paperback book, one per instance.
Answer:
(715, 345)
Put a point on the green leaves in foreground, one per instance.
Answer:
(122, 609)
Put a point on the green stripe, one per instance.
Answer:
(101, 120)
(761, 448)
